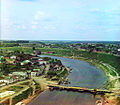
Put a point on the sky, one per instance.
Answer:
(60, 20)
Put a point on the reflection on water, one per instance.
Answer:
(84, 75)
(63, 98)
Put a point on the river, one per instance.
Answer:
(83, 74)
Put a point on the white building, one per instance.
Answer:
(4, 81)
(13, 57)
(20, 73)
(42, 62)
(25, 62)
(34, 73)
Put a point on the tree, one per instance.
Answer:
(33, 48)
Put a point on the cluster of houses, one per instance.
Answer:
(11, 78)
(37, 68)
(37, 64)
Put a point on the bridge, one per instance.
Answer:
(78, 89)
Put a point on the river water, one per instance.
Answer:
(83, 74)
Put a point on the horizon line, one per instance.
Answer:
(53, 40)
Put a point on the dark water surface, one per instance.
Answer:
(83, 74)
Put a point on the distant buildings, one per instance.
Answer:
(118, 51)
(50, 52)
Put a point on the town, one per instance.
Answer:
(18, 70)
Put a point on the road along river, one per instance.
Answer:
(83, 74)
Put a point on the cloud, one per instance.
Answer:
(41, 15)
(28, 0)
(95, 10)
(33, 26)
(35, 23)
(42, 20)
(49, 28)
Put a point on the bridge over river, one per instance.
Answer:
(78, 89)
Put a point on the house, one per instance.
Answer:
(34, 73)
(118, 51)
(25, 62)
(17, 76)
(57, 67)
(50, 52)
(34, 58)
(41, 62)
(13, 57)
(24, 74)
(4, 81)
(37, 52)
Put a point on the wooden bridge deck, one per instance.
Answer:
(78, 89)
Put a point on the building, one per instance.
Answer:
(42, 62)
(37, 52)
(34, 73)
(23, 74)
(4, 82)
(25, 62)
(50, 52)
(118, 51)
(34, 58)
(13, 57)
(58, 67)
